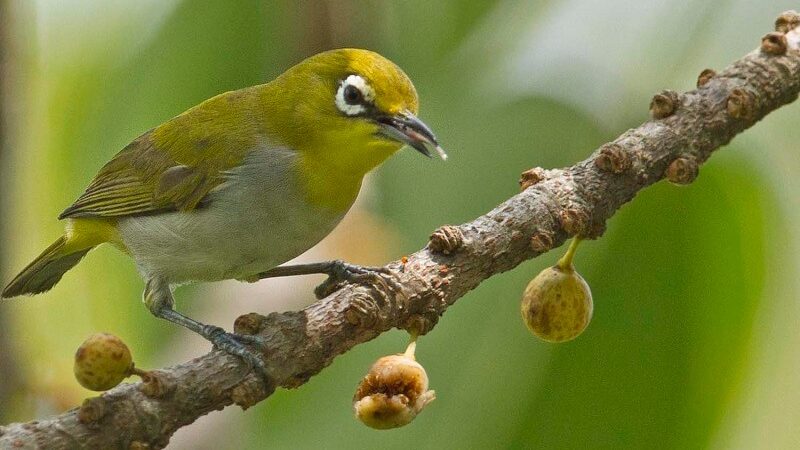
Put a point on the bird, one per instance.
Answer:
(241, 183)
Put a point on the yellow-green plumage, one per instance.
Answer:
(239, 183)
(47, 269)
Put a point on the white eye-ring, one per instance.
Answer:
(353, 94)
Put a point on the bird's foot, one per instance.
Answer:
(237, 344)
(341, 273)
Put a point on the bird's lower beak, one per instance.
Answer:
(408, 129)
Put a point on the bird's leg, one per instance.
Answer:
(338, 272)
(158, 299)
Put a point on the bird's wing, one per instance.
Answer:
(170, 168)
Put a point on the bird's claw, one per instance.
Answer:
(342, 273)
(237, 344)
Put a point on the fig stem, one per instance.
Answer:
(412, 346)
(137, 371)
(565, 263)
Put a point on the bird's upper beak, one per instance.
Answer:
(408, 129)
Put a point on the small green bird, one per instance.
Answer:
(242, 183)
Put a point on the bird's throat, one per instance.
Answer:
(329, 187)
(333, 177)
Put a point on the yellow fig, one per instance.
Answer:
(557, 304)
(102, 362)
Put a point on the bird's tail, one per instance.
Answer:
(47, 269)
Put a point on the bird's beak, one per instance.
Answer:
(408, 129)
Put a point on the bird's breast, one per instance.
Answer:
(260, 217)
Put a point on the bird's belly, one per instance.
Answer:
(258, 222)
(210, 246)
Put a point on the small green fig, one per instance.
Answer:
(102, 362)
(557, 304)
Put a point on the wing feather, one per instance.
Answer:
(173, 167)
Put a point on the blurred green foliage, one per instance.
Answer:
(678, 279)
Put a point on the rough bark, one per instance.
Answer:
(554, 204)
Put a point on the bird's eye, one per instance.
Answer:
(354, 96)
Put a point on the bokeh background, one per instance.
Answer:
(695, 337)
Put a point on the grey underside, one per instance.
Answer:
(257, 219)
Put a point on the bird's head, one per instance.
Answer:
(351, 108)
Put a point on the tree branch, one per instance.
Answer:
(555, 204)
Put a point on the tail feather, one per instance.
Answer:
(46, 270)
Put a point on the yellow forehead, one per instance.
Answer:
(394, 91)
